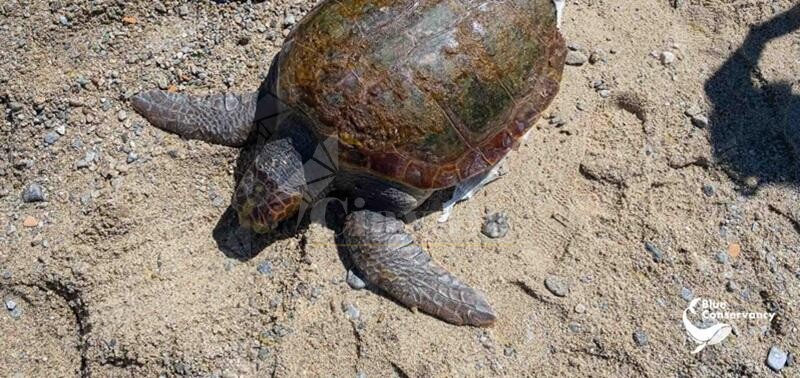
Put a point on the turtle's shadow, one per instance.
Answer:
(755, 124)
(243, 244)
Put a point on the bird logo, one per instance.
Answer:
(704, 336)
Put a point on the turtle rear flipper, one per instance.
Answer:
(391, 260)
(225, 119)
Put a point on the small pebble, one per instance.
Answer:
(776, 359)
(708, 190)
(667, 58)
(556, 286)
(218, 201)
(731, 286)
(265, 268)
(700, 121)
(355, 281)
(722, 257)
(576, 58)
(30, 222)
(751, 182)
(495, 226)
(734, 250)
(597, 56)
(16, 106)
(351, 311)
(580, 308)
(132, 157)
(11, 304)
(640, 337)
(574, 46)
(51, 138)
(687, 294)
(693, 111)
(33, 193)
(122, 115)
(654, 252)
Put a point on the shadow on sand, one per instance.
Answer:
(755, 124)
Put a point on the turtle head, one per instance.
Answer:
(270, 190)
(261, 204)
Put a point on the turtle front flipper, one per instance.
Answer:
(390, 259)
(225, 119)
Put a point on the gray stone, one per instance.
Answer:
(355, 281)
(708, 190)
(51, 138)
(667, 58)
(33, 193)
(576, 58)
(265, 268)
(574, 46)
(700, 121)
(495, 226)
(597, 56)
(15, 106)
(122, 115)
(654, 252)
(351, 311)
(677, 4)
(556, 286)
(687, 294)
(776, 359)
(722, 257)
(10, 304)
(693, 110)
(640, 337)
(132, 157)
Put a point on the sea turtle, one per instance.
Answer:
(417, 95)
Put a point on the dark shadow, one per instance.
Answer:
(243, 244)
(755, 124)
